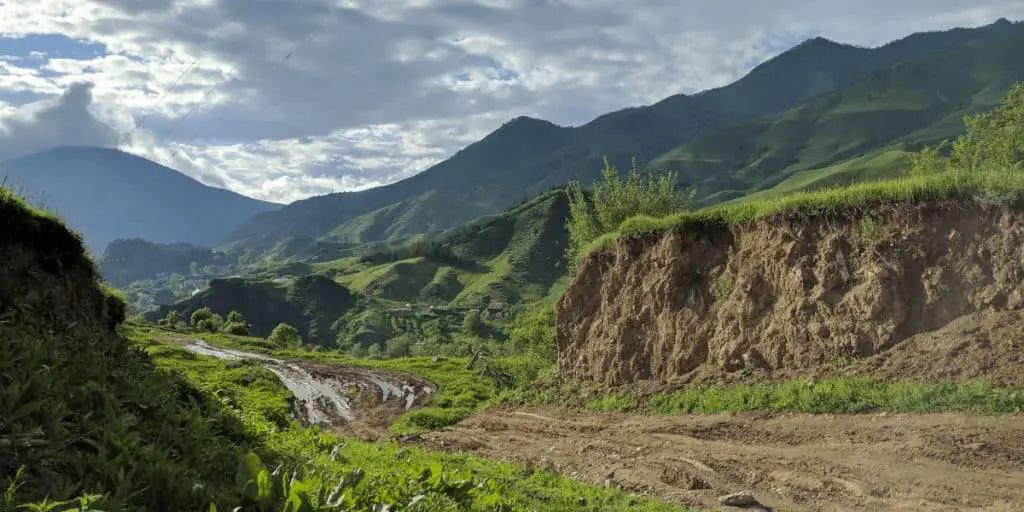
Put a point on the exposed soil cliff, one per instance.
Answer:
(799, 292)
(45, 274)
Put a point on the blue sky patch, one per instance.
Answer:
(35, 50)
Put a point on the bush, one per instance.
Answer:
(205, 320)
(614, 200)
(236, 325)
(285, 336)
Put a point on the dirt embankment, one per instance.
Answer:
(791, 462)
(795, 293)
(46, 276)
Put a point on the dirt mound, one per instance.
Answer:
(356, 401)
(799, 292)
(789, 462)
(46, 275)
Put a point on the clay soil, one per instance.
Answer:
(947, 462)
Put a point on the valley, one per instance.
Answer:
(799, 291)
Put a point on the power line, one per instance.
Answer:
(164, 95)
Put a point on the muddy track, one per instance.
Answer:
(947, 462)
(352, 400)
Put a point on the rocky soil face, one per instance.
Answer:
(799, 292)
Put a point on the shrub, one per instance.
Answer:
(614, 200)
(285, 336)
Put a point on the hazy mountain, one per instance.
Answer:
(107, 194)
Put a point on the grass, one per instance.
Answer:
(1003, 186)
(843, 395)
(460, 392)
(410, 478)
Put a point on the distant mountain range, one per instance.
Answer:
(820, 113)
(107, 194)
(814, 105)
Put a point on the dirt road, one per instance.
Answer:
(939, 462)
(355, 401)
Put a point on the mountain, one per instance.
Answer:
(132, 259)
(903, 106)
(107, 194)
(311, 304)
(527, 156)
(514, 256)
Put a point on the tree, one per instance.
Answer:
(614, 200)
(193, 268)
(994, 140)
(236, 324)
(173, 321)
(472, 324)
(285, 336)
(205, 320)
(399, 346)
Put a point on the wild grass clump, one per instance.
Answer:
(845, 395)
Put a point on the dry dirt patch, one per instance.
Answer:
(790, 462)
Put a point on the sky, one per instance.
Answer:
(286, 99)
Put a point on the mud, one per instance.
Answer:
(792, 293)
(947, 462)
(355, 401)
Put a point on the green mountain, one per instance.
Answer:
(901, 107)
(310, 303)
(107, 194)
(132, 259)
(511, 257)
(527, 156)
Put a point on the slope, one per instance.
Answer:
(82, 413)
(511, 257)
(918, 101)
(107, 194)
(310, 303)
(527, 156)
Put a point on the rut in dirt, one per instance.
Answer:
(359, 401)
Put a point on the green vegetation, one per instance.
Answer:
(527, 156)
(843, 395)
(985, 162)
(285, 336)
(847, 395)
(614, 200)
(406, 478)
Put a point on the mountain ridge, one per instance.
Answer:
(108, 194)
(512, 161)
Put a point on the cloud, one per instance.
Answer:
(306, 97)
(65, 120)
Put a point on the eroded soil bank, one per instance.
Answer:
(798, 292)
(356, 401)
(792, 463)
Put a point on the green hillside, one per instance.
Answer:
(526, 156)
(919, 101)
(512, 257)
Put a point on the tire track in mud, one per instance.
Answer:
(357, 401)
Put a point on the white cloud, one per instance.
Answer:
(320, 95)
(66, 118)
